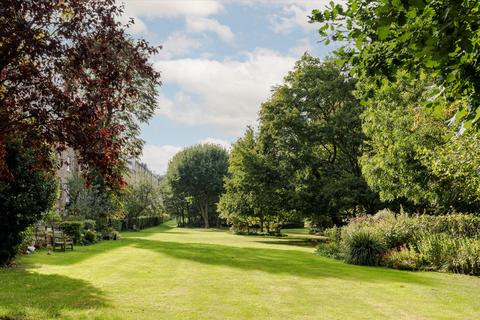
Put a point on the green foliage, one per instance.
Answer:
(73, 229)
(436, 249)
(141, 200)
(142, 222)
(434, 37)
(25, 197)
(466, 258)
(96, 201)
(304, 160)
(363, 247)
(252, 201)
(333, 247)
(405, 146)
(27, 239)
(404, 258)
(311, 130)
(90, 237)
(443, 243)
(89, 224)
(455, 225)
(194, 182)
(459, 160)
(330, 249)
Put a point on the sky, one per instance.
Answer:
(219, 62)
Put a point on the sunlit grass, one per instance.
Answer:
(172, 273)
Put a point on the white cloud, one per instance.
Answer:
(293, 13)
(201, 24)
(157, 157)
(178, 44)
(225, 144)
(303, 45)
(226, 94)
(177, 8)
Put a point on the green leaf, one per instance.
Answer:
(383, 32)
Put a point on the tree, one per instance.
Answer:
(430, 37)
(311, 130)
(69, 70)
(407, 151)
(196, 175)
(25, 197)
(141, 199)
(97, 201)
(251, 199)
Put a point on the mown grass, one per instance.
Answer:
(172, 273)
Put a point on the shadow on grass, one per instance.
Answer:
(271, 260)
(276, 261)
(24, 293)
(299, 242)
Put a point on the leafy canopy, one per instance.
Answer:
(439, 38)
(69, 70)
(195, 176)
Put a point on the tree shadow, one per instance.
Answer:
(278, 261)
(299, 242)
(81, 253)
(24, 292)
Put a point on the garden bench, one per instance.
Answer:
(61, 241)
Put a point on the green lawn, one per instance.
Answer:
(172, 273)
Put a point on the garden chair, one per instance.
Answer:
(61, 241)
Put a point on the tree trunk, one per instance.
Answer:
(205, 215)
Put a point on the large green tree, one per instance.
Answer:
(253, 197)
(439, 38)
(196, 175)
(304, 160)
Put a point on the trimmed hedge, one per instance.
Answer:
(140, 223)
(73, 229)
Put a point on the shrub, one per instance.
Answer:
(363, 247)
(436, 250)
(466, 258)
(404, 258)
(401, 231)
(330, 249)
(333, 234)
(89, 224)
(27, 240)
(73, 229)
(90, 237)
(456, 225)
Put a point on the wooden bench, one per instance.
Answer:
(61, 241)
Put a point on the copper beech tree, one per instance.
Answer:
(70, 71)
(70, 76)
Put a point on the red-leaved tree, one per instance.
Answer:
(70, 75)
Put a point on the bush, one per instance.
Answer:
(73, 229)
(27, 240)
(89, 224)
(456, 225)
(400, 232)
(403, 259)
(333, 234)
(467, 257)
(90, 237)
(436, 250)
(330, 249)
(363, 247)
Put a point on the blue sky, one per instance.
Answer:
(219, 61)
